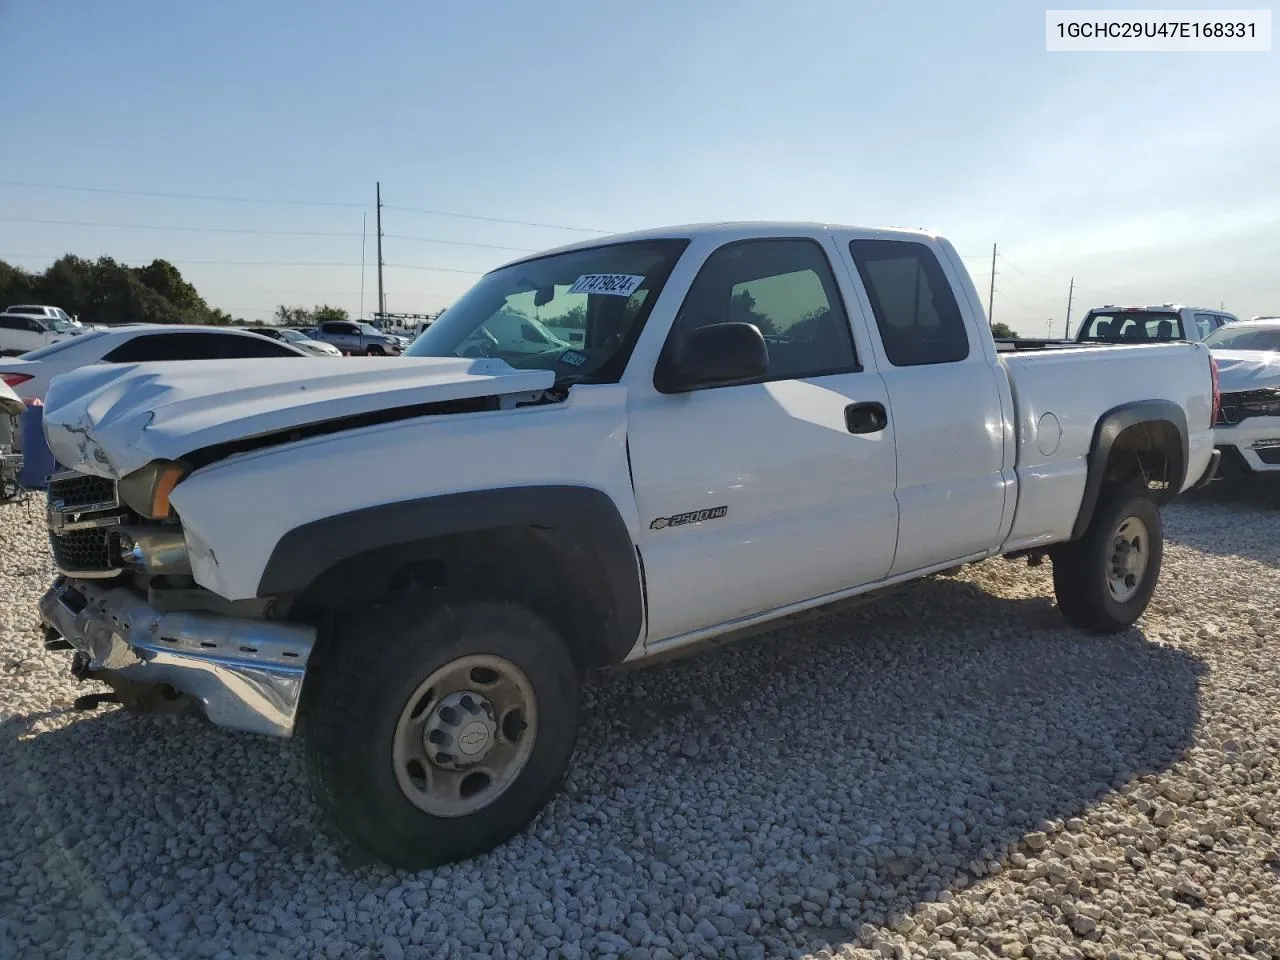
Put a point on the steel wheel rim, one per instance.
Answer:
(1129, 558)
(451, 757)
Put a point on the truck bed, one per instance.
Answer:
(1059, 395)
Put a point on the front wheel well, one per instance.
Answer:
(548, 572)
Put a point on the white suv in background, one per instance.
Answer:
(20, 332)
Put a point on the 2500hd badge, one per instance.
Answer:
(693, 516)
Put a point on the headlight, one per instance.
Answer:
(147, 489)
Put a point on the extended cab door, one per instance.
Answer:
(949, 399)
(756, 496)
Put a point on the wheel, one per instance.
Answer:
(1104, 580)
(439, 730)
(374, 350)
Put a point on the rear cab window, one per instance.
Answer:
(1132, 326)
(914, 306)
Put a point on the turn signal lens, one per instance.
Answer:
(147, 489)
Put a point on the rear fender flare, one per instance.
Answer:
(1108, 429)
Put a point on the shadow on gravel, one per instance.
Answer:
(1198, 518)
(834, 773)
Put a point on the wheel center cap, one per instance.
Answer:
(473, 740)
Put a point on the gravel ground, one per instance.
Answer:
(946, 773)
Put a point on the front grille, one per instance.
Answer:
(83, 511)
(1244, 404)
(82, 551)
(71, 490)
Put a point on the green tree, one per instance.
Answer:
(16, 285)
(165, 279)
(1001, 330)
(106, 291)
(328, 314)
(742, 309)
(293, 316)
(575, 319)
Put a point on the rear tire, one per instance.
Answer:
(439, 730)
(1104, 580)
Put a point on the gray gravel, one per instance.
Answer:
(946, 773)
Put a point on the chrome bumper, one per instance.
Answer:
(247, 673)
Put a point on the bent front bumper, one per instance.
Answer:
(246, 673)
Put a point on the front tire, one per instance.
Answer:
(437, 731)
(1104, 580)
(375, 351)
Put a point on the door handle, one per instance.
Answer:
(869, 417)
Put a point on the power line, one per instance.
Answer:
(472, 216)
(248, 263)
(1029, 293)
(248, 230)
(176, 196)
(1017, 303)
(413, 266)
(153, 226)
(456, 243)
(291, 202)
(1016, 269)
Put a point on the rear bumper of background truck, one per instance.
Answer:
(247, 674)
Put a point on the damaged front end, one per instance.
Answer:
(125, 603)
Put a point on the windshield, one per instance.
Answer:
(288, 335)
(577, 314)
(1131, 326)
(369, 328)
(1233, 337)
(63, 326)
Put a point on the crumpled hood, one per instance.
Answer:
(1247, 369)
(110, 419)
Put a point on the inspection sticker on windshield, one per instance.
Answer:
(611, 284)
(573, 358)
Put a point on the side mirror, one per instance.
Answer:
(717, 355)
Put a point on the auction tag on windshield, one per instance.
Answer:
(611, 284)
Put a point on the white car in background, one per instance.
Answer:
(296, 339)
(1247, 430)
(29, 375)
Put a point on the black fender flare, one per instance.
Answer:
(587, 515)
(1109, 427)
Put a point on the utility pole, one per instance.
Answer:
(1071, 291)
(991, 296)
(364, 232)
(382, 302)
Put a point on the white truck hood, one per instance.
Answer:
(110, 420)
(1247, 369)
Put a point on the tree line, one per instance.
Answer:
(108, 292)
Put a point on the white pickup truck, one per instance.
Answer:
(418, 562)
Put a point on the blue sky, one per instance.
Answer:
(1146, 176)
